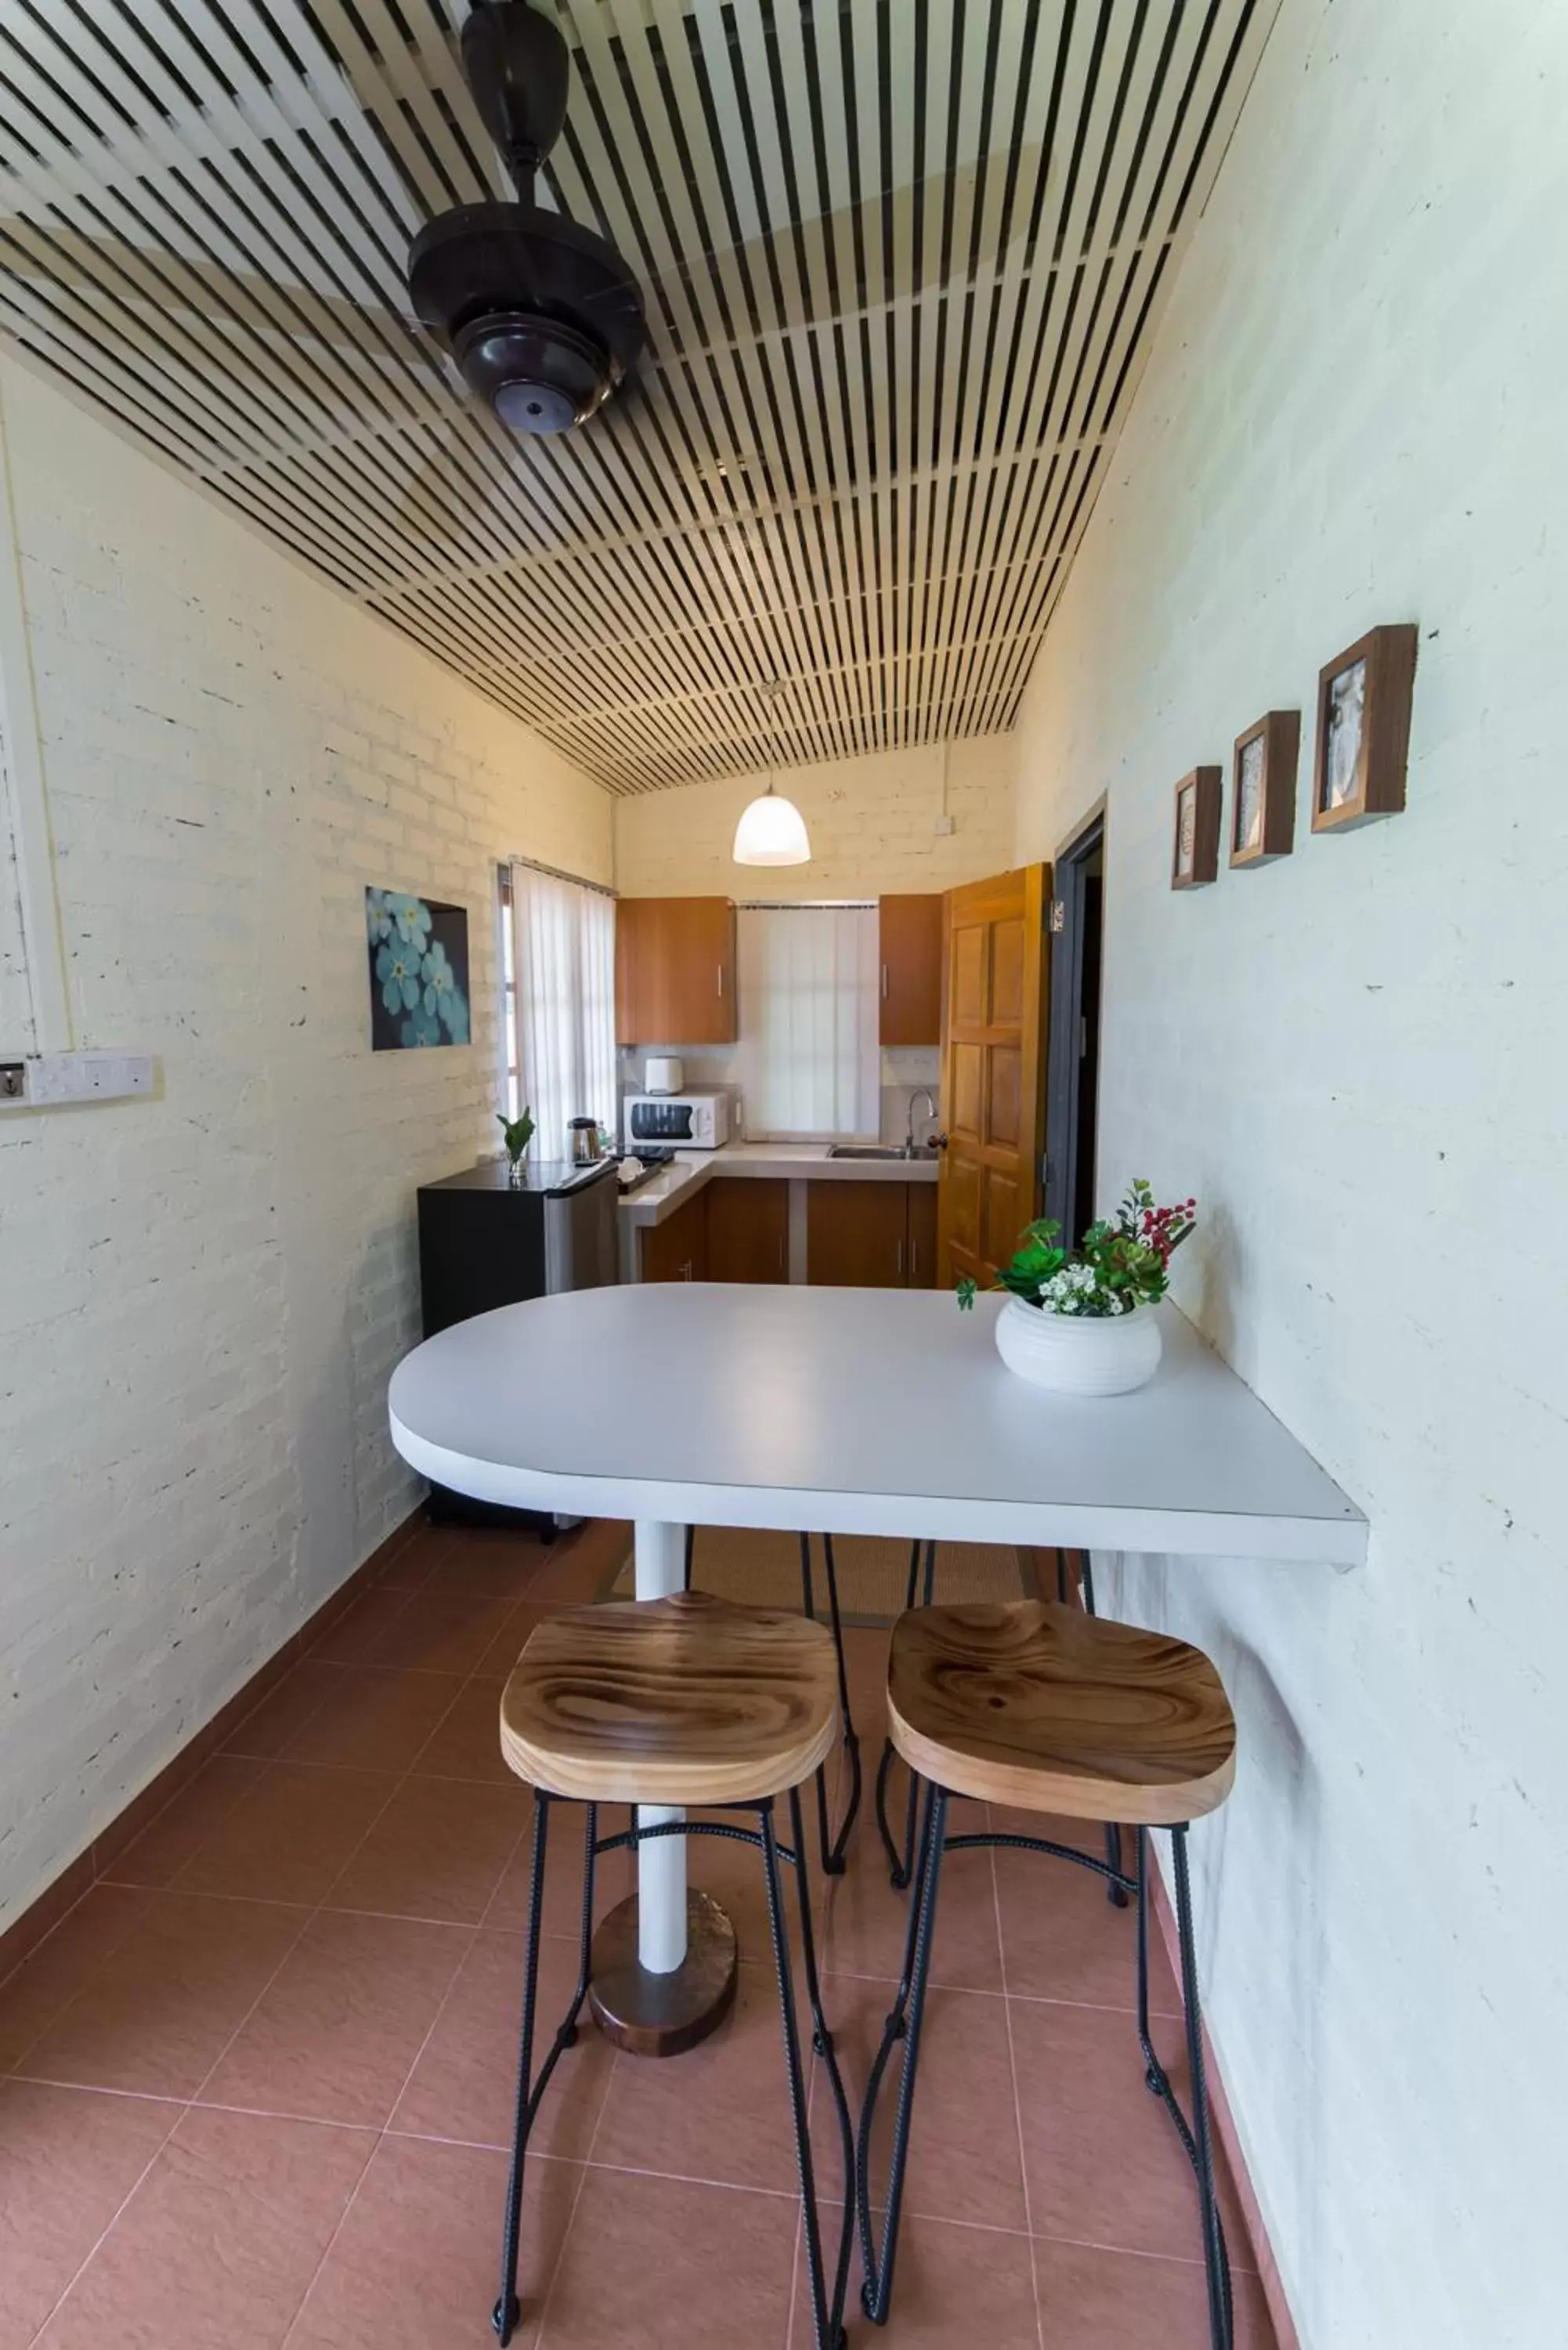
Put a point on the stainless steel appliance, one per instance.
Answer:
(692, 1121)
(583, 1141)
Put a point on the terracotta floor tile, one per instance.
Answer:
(665, 2265)
(267, 1732)
(428, 1549)
(509, 1642)
(442, 1630)
(720, 2113)
(415, 2265)
(287, 1839)
(159, 2014)
(1102, 2158)
(463, 2085)
(374, 1719)
(1090, 2298)
(952, 2286)
(339, 2026)
(437, 1851)
(69, 2158)
(465, 1742)
(1062, 1939)
(614, 1877)
(355, 1636)
(963, 2158)
(49, 1977)
(220, 2240)
(200, 1812)
(494, 1561)
(868, 1923)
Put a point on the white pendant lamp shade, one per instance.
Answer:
(771, 831)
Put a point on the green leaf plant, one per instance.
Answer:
(1121, 1263)
(516, 1132)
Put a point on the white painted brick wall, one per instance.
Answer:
(202, 1295)
(1354, 412)
(869, 820)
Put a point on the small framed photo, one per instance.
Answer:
(1363, 729)
(1263, 788)
(1195, 846)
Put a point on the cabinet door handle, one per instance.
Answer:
(900, 1260)
(686, 1270)
(719, 977)
(884, 982)
(914, 1264)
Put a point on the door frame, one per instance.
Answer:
(1065, 927)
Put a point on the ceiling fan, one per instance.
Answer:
(542, 318)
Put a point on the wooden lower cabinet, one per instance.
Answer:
(857, 1235)
(748, 1228)
(677, 1251)
(922, 1256)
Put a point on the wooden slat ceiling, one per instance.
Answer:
(902, 261)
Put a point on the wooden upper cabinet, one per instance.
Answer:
(748, 1228)
(911, 971)
(675, 971)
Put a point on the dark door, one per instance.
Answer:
(1072, 1076)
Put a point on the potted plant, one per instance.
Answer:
(1082, 1320)
(517, 1133)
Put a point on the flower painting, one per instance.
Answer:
(419, 971)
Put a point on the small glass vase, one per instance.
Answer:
(516, 1169)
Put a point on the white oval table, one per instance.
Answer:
(880, 1411)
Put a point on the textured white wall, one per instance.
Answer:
(869, 819)
(1354, 412)
(202, 1295)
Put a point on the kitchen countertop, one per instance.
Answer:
(656, 1200)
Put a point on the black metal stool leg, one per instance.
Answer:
(901, 1864)
(822, 2042)
(504, 2316)
(691, 1554)
(1196, 2141)
(826, 2318)
(833, 1857)
(903, 2023)
(1115, 1894)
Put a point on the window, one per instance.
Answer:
(808, 1061)
(558, 974)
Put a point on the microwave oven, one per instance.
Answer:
(689, 1121)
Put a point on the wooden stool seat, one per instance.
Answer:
(688, 1700)
(1039, 1706)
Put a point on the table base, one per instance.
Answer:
(663, 2015)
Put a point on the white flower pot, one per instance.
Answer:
(1079, 1354)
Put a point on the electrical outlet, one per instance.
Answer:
(944, 824)
(49, 1080)
(13, 1081)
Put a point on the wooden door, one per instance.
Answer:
(675, 971)
(855, 1236)
(678, 1249)
(993, 1093)
(910, 928)
(748, 1228)
(922, 1256)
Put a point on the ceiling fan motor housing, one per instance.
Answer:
(542, 317)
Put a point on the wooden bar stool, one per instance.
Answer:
(688, 1700)
(1045, 1708)
(833, 1848)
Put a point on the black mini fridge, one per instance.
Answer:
(486, 1241)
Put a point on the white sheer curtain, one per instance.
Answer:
(808, 1060)
(563, 956)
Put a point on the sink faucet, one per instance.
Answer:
(921, 1093)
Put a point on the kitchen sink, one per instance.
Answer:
(921, 1150)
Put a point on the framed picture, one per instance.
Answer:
(1263, 788)
(419, 971)
(1363, 729)
(1195, 848)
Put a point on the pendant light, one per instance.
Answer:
(771, 830)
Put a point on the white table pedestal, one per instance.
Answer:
(663, 1964)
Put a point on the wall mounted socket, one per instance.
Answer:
(50, 1080)
(944, 824)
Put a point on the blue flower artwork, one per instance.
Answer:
(419, 971)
